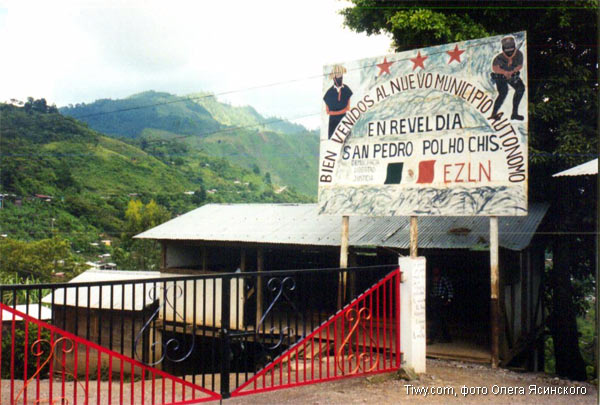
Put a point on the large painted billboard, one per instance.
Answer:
(434, 131)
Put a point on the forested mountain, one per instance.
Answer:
(287, 151)
(60, 178)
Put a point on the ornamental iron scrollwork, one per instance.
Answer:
(355, 318)
(37, 351)
(172, 345)
(280, 337)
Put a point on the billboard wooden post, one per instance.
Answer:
(343, 276)
(414, 237)
(494, 289)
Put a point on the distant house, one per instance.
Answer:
(109, 315)
(44, 197)
(225, 237)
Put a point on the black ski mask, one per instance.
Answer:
(509, 51)
(508, 46)
(338, 81)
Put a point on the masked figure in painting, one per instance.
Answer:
(337, 98)
(505, 68)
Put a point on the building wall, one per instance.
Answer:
(114, 330)
(182, 256)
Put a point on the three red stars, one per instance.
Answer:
(384, 67)
(418, 61)
(455, 54)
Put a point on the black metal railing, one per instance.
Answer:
(214, 330)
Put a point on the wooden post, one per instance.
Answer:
(260, 263)
(414, 237)
(163, 256)
(495, 291)
(352, 276)
(343, 261)
(242, 259)
(204, 258)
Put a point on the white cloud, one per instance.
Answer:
(80, 51)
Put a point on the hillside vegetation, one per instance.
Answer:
(62, 180)
(287, 151)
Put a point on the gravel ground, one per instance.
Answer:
(445, 378)
(441, 375)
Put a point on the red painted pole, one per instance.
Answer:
(398, 349)
(12, 361)
(25, 352)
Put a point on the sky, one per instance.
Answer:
(265, 53)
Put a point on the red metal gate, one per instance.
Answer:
(363, 338)
(42, 363)
(49, 365)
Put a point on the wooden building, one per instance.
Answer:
(108, 315)
(259, 237)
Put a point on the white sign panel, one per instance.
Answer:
(434, 131)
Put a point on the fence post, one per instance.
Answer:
(225, 339)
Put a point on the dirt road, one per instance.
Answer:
(446, 382)
(445, 378)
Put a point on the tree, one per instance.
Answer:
(563, 97)
(140, 254)
(40, 259)
(39, 105)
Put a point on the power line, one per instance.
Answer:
(306, 78)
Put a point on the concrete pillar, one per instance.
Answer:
(412, 313)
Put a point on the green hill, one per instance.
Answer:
(130, 116)
(60, 177)
(287, 151)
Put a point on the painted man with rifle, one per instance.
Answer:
(506, 71)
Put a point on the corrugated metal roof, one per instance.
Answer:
(583, 169)
(299, 224)
(121, 296)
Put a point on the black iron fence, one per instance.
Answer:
(214, 330)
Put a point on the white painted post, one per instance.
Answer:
(412, 313)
